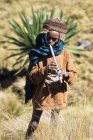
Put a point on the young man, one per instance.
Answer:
(49, 91)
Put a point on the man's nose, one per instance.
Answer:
(51, 41)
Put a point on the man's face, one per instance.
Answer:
(53, 37)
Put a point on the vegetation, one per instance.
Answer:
(30, 28)
(76, 121)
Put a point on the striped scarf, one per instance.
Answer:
(42, 50)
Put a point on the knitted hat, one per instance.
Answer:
(56, 25)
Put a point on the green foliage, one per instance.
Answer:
(30, 28)
(72, 29)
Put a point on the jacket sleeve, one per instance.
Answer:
(70, 68)
(29, 89)
(37, 74)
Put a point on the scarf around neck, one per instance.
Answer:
(42, 50)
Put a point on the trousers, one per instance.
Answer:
(36, 115)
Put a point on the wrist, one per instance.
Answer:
(66, 76)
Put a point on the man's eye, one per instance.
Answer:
(52, 38)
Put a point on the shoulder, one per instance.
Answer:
(66, 52)
(67, 55)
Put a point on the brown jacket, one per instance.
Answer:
(43, 97)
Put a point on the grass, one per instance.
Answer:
(75, 123)
(10, 106)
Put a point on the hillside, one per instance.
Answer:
(80, 101)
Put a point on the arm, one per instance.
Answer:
(70, 68)
(37, 74)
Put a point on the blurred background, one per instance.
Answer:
(14, 114)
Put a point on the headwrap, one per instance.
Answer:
(56, 25)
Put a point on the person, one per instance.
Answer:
(49, 92)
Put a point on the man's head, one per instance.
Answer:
(56, 30)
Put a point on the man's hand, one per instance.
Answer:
(65, 75)
(52, 68)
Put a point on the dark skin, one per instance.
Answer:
(53, 37)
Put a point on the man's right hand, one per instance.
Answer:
(52, 68)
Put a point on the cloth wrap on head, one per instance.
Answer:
(56, 25)
(42, 51)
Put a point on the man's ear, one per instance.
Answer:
(62, 36)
